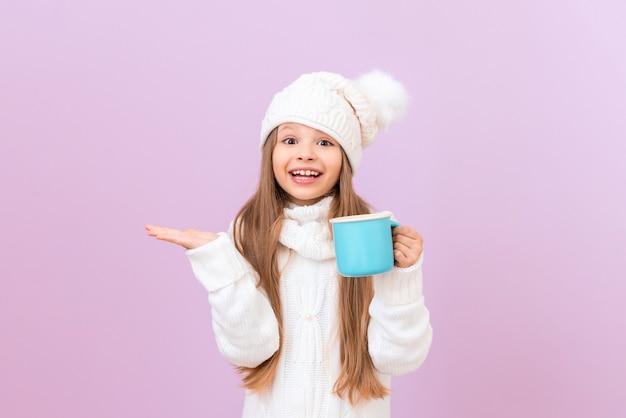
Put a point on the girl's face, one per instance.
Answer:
(306, 163)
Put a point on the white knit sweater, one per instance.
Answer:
(246, 329)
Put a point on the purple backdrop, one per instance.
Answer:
(511, 163)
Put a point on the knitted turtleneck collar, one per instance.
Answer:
(306, 230)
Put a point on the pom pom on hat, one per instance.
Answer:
(351, 112)
(386, 94)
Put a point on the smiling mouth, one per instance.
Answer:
(305, 173)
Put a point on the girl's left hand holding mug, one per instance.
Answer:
(189, 238)
(407, 245)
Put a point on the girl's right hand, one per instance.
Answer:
(189, 238)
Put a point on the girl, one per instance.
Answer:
(307, 341)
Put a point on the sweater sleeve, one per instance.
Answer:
(245, 327)
(399, 334)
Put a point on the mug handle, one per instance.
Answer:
(394, 223)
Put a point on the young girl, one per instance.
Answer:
(307, 341)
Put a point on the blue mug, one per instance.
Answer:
(363, 243)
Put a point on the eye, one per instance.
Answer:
(325, 143)
(289, 141)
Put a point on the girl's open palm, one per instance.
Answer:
(189, 238)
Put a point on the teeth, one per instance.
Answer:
(307, 173)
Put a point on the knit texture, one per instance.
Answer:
(246, 330)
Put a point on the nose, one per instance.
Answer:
(306, 152)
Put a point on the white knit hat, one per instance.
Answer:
(351, 112)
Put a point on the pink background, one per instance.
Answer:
(511, 163)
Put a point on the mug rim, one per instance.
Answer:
(365, 217)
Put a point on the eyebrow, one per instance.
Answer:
(286, 126)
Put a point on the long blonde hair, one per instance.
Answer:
(257, 230)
